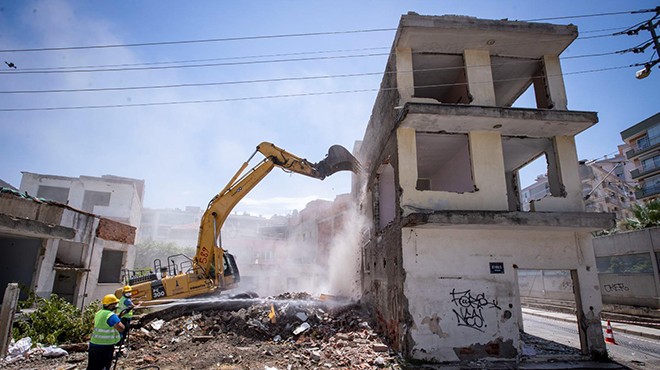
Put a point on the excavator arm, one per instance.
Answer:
(209, 257)
(212, 268)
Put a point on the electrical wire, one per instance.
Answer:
(260, 37)
(273, 96)
(237, 57)
(136, 67)
(205, 60)
(193, 65)
(241, 38)
(588, 15)
(281, 79)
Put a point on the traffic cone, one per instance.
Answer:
(609, 335)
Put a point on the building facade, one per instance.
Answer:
(52, 248)
(643, 140)
(441, 155)
(88, 265)
(606, 187)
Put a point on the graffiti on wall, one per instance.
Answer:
(616, 287)
(470, 308)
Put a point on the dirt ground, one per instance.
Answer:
(303, 333)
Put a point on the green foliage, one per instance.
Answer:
(55, 321)
(645, 216)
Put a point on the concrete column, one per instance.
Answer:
(566, 153)
(549, 88)
(404, 75)
(479, 77)
(488, 165)
(45, 275)
(407, 149)
(513, 191)
(588, 299)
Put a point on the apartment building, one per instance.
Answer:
(606, 187)
(643, 139)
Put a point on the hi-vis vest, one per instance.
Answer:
(122, 306)
(103, 333)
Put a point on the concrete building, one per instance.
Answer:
(167, 225)
(644, 141)
(441, 155)
(80, 268)
(536, 191)
(113, 197)
(52, 248)
(311, 234)
(606, 187)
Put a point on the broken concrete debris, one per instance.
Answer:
(307, 333)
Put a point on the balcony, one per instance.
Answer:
(647, 191)
(638, 150)
(645, 171)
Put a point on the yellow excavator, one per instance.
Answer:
(212, 268)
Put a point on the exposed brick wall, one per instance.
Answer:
(115, 231)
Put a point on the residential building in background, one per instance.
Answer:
(171, 225)
(537, 191)
(606, 187)
(643, 140)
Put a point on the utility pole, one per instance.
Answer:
(650, 26)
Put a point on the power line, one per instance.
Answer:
(259, 37)
(206, 60)
(151, 66)
(281, 79)
(270, 96)
(193, 65)
(242, 57)
(591, 15)
(225, 39)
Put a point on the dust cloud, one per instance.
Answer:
(345, 256)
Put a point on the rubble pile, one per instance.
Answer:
(290, 331)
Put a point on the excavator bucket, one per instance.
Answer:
(338, 159)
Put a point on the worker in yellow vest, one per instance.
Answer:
(125, 310)
(106, 333)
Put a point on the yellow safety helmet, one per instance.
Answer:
(109, 299)
(127, 289)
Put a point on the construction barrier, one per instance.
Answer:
(609, 335)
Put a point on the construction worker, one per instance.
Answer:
(125, 310)
(106, 333)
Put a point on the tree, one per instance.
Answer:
(645, 216)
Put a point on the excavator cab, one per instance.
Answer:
(231, 274)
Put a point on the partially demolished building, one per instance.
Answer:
(441, 154)
(71, 237)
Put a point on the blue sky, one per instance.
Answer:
(187, 152)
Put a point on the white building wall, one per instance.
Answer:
(453, 295)
(124, 206)
(487, 162)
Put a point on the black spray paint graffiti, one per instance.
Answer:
(617, 287)
(470, 308)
